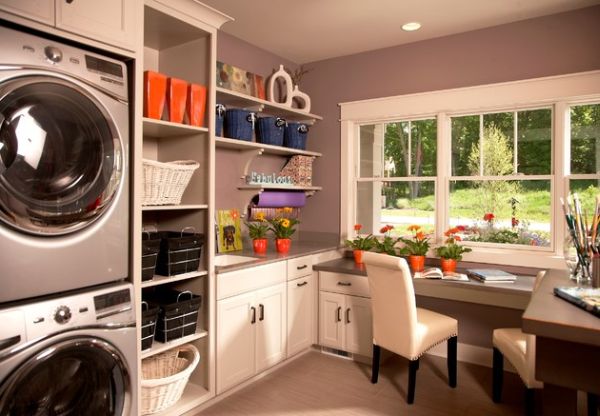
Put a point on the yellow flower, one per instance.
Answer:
(285, 223)
(260, 216)
(414, 227)
(287, 210)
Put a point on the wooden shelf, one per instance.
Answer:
(161, 280)
(174, 207)
(261, 188)
(161, 129)
(158, 347)
(193, 395)
(236, 99)
(226, 143)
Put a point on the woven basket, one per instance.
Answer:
(164, 377)
(165, 182)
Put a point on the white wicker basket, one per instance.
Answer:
(165, 182)
(164, 376)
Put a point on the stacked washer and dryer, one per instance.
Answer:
(67, 321)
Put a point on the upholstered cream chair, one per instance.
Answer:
(519, 349)
(398, 325)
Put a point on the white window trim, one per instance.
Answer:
(557, 91)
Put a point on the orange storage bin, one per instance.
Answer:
(155, 92)
(196, 104)
(176, 99)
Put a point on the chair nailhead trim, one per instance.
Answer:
(431, 346)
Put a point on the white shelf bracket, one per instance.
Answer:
(249, 156)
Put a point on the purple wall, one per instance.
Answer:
(557, 44)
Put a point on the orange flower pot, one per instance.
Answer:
(155, 94)
(196, 104)
(176, 99)
(283, 245)
(417, 263)
(259, 245)
(358, 255)
(448, 265)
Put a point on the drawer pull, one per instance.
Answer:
(344, 284)
(348, 315)
(253, 320)
(261, 313)
(301, 284)
(301, 267)
(339, 314)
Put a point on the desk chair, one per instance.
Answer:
(398, 325)
(519, 349)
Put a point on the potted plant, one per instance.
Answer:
(416, 248)
(387, 244)
(451, 252)
(257, 231)
(360, 244)
(283, 229)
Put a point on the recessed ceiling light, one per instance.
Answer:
(412, 26)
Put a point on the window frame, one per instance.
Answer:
(558, 92)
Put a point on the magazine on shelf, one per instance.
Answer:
(436, 273)
(585, 297)
(492, 275)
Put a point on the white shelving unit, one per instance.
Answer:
(226, 143)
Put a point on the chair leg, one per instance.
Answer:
(498, 374)
(452, 352)
(413, 366)
(530, 402)
(375, 363)
(592, 404)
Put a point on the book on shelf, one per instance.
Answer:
(586, 298)
(492, 275)
(436, 273)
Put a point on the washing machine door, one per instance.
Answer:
(60, 155)
(80, 376)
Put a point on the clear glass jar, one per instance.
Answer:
(577, 272)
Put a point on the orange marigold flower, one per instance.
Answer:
(357, 227)
(414, 227)
(489, 217)
(461, 228)
(457, 238)
(448, 233)
(287, 210)
(420, 236)
(383, 230)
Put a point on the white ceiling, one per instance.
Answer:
(311, 30)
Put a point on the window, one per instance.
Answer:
(396, 175)
(501, 181)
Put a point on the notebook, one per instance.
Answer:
(492, 275)
(586, 298)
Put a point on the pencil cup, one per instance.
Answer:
(596, 271)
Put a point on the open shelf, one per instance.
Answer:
(237, 99)
(261, 188)
(226, 143)
(162, 31)
(158, 347)
(174, 207)
(165, 129)
(193, 395)
(161, 280)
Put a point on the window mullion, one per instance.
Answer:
(515, 144)
(481, 144)
(562, 154)
(409, 155)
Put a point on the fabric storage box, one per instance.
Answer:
(239, 124)
(165, 182)
(177, 315)
(179, 253)
(150, 249)
(219, 120)
(295, 135)
(270, 130)
(299, 168)
(149, 316)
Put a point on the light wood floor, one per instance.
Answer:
(318, 384)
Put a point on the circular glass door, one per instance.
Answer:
(82, 376)
(60, 156)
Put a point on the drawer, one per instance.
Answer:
(348, 284)
(299, 267)
(241, 281)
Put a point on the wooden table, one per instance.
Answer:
(567, 346)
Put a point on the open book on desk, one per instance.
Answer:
(585, 297)
(435, 273)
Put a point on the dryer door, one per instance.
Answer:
(60, 156)
(80, 376)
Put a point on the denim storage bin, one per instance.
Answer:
(270, 130)
(220, 118)
(239, 124)
(295, 135)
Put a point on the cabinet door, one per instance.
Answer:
(359, 328)
(235, 340)
(331, 324)
(38, 10)
(110, 21)
(271, 326)
(301, 309)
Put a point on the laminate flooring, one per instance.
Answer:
(319, 384)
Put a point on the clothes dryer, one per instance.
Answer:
(64, 140)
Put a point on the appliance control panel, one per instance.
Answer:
(111, 305)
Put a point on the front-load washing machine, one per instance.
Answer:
(64, 138)
(73, 355)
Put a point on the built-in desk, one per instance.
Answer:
(508, 295)
(567, 345)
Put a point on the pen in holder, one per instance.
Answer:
(596, 271)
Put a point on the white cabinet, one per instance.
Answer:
(270, 326)
(108, 21)
(301, 312)
(344, 318)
